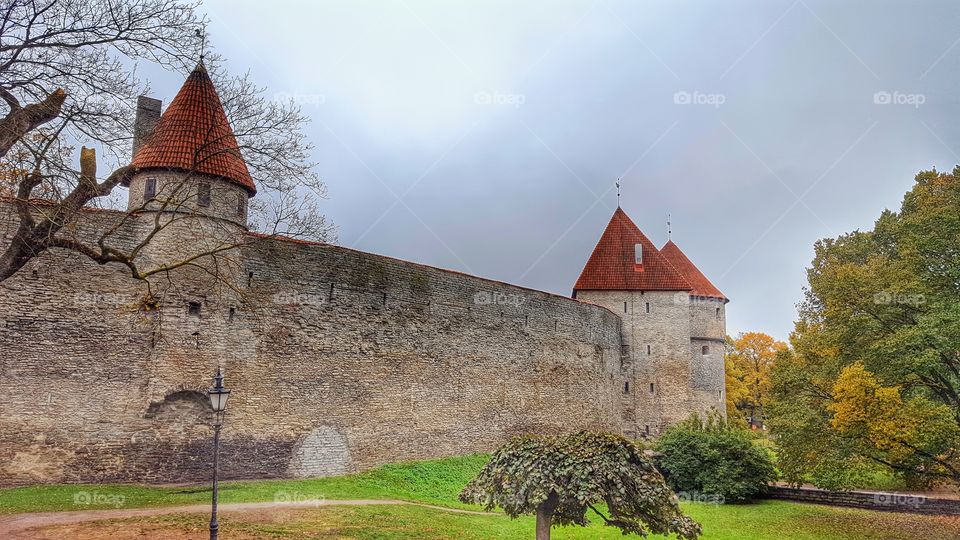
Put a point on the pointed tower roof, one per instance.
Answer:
(612, 266)
(701, 285)
(193, 134)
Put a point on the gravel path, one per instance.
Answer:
(18, 525)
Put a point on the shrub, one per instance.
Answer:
(714, 461)
(560, 478)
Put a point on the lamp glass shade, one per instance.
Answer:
(218, 399)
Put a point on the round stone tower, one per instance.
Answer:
(188, 168)
(708, 331)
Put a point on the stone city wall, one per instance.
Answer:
(338, 361)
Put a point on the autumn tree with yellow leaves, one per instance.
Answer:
(749, 361)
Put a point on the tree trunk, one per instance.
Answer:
(21, 121)
(544, 521)
(17, 254)
(545, 516)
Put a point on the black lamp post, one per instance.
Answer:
(218, 399)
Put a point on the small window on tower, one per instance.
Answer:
(649, 349)
(193, 308)
(624, 307)
(626, 387)
(705, 350)
(241, 203)
(648, 307)
(651, 388)
(647, 430)
(203, 194)
(718, 314)
(149, 189)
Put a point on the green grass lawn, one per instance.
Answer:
(436, 482)
(432, 482)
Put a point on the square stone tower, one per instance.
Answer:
(673, 327)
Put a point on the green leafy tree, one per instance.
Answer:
(714, 461)
(874, 377)
(560, 478)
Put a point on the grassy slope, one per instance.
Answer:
(438, 482)
(433, 482)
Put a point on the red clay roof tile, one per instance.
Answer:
(193, 134)
(611, 266)
(701, 285)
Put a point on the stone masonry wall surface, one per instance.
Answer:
(338, 361)
(886, 502)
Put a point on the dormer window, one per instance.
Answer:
(203, 194)
(638, 257)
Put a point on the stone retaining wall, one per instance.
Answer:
(869, 500)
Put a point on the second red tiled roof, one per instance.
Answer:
(701, 285)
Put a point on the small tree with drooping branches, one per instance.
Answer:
(560, 478)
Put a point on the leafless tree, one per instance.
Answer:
(68, 77)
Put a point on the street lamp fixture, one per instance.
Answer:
(218, 395)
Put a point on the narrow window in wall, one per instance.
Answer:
(241, 203)
(651, 388)
(648, 307)
(233, 313)
(718, 314)
(705, 350)
(646, 429)
(193, 308)
(250, 279)
(720, 395)
(624, 307)
(203, 194)
(626, 387)
(649, 349)
(149, 189)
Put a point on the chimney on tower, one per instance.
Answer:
(148, 114)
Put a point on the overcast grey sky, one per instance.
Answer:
(486, 136)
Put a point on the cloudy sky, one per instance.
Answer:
(486, 136)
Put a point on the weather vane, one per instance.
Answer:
(202, 34)
(618, 192)
(669, 230)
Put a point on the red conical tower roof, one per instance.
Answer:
(193, 134)
(701, 285)
(611, 266)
